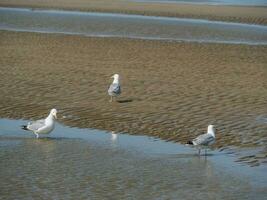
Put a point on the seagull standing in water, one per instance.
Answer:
(204, 140)
(42, 126)
(115, 88)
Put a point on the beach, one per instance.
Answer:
(171, 90)
(182, 67)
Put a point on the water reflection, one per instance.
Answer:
(46, 145)
(114, 136)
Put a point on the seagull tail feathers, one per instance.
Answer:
(190, 142)
(24, 127)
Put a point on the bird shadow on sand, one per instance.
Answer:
(125, 101)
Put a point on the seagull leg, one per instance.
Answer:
(37, 135)
(111, 99)
(199, 151)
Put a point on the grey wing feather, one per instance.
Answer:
(114, 89)
(204, 139)
(35, 125)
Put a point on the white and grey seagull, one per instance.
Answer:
(204, 140)
(115, 88)
(42, 126)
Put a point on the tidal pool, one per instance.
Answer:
(131, 26)
(73, 163)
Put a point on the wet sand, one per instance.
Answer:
(169, 90)
(246, 14)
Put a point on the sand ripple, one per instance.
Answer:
(170, 90)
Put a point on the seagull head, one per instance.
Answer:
(211, 130)
(53, 112)
(115, 76)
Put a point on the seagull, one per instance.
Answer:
(204, 140)
(115, 88)
(42, 126)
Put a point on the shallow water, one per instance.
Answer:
(213, 2)
(131, 26)
(77, 163)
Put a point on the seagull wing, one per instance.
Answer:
(204, 139)
(35, 125)
(114, 89)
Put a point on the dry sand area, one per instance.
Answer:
(171, 90)
(255, 15)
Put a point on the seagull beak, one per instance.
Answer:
(55, 115)
(112, 76)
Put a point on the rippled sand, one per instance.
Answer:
(251, 14)
(171, 90)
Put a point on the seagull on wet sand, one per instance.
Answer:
(115, 88)
(42, 126)
(204, 140)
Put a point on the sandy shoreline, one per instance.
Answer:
(170, 90)
(245, 14)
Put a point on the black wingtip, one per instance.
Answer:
(190, 142)
(24, 127)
